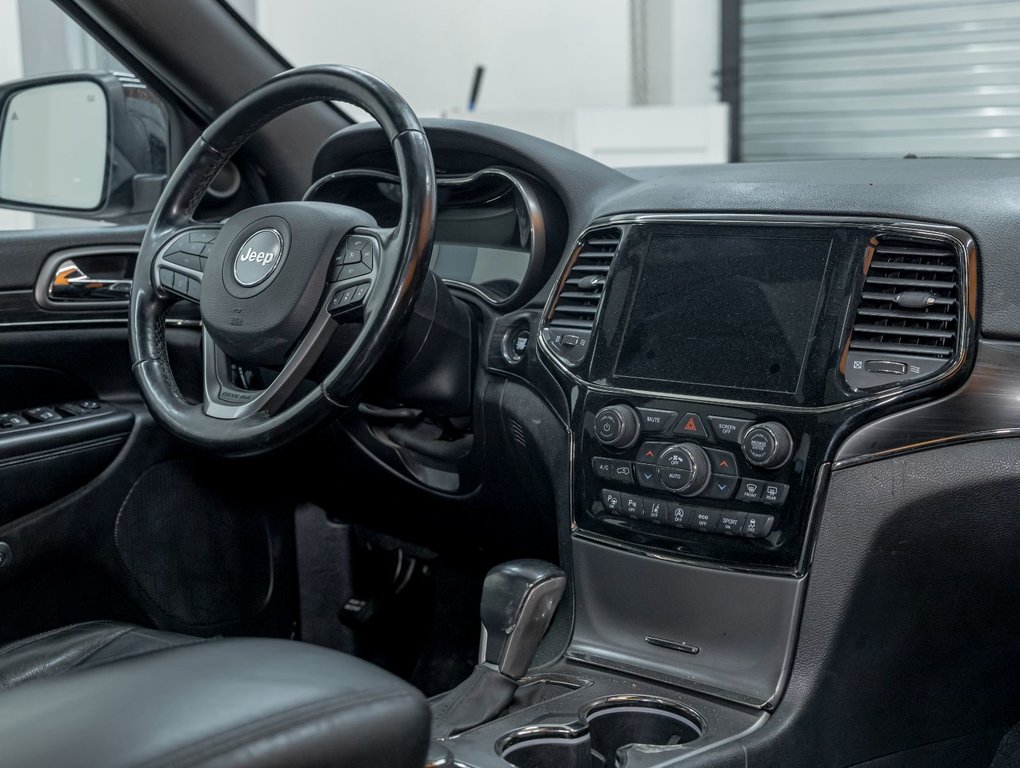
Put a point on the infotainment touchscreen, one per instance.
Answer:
(734, 312)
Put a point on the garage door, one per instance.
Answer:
(862, 78)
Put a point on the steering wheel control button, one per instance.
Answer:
(186, 260)
(728, 430)
(354, 258)
(202, 236)
(690, 425)
(654, 421)
(258, 258)
(723, 462)
(602, 468)
(612, 501)
(647, 476)
(750, 490)
(757, 526)
(622, 472)
(617, 426)
(720, 487)
(767, 445)
(774, 493)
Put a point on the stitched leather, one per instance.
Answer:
(77, 646)
(118, 696)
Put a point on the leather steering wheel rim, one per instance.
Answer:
(400, 268)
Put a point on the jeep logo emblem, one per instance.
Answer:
(258, 258)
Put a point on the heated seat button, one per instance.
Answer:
(723, 462)
(655, 421)
(42, 414)
(602, 467)
(647, 475)
(728, 430)
(622, 472)
(690, 425)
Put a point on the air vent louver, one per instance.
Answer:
(572, 317)
(578, 300)
(911, 302)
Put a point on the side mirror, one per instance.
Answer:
(90, 145)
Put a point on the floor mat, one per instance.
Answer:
(1008, 754)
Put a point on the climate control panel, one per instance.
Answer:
(663, 474)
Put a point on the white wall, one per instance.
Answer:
(538, 54)
(559, 69)
(11, 69)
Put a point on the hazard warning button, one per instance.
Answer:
(690, 425)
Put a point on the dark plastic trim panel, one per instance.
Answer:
(743, 624)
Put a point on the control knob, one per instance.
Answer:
(767, 445)
(617, 426)
(684, 469)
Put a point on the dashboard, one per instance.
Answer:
(707, 350)
(767, 410)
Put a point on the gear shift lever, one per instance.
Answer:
(519, 600)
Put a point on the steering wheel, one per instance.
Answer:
(274, 281)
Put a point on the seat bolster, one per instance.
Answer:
(78, 646)
(223, 703)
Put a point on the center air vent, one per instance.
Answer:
(909, 317)
(572, 316)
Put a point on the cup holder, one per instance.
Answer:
(605, 729)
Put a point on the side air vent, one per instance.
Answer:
(910, 314)
(572, 316)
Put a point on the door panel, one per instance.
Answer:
(104, 497)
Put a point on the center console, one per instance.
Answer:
(707, 369)
(719, 360)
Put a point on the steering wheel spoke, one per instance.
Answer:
(180, 263)
(224, 398)
(352, 272)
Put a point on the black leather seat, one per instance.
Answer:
(114, 695)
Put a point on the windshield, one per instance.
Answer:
(664, 82)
